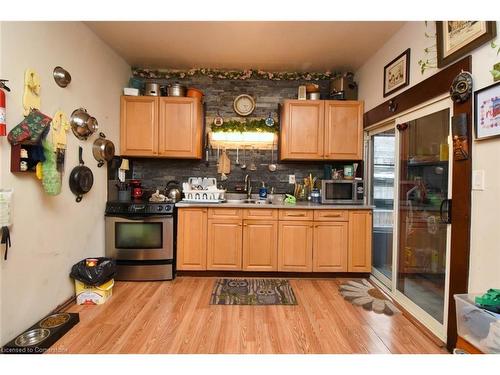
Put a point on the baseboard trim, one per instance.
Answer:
(64, 306)
(295, 275)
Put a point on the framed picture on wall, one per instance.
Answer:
(457, 38)
(397, 73)
(487, 112)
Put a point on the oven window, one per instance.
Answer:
(339, 191)
(138, 235)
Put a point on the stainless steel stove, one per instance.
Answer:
(140, 236)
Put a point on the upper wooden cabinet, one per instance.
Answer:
(343, 130)
(181, 128)
(139, 125)
(321, 130)
(169, 127)
(302, 129)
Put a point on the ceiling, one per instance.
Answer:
(271, 46)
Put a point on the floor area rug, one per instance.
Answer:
(252, 292)
(366, 295)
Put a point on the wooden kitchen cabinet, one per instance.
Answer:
(295, 246)
(330, 247)
(260, 245)
(302, 130)
(139, 125)
(321, 130)
(360, 241)
(180, 127)
(343, 130)
(170, 127)
(296, 214)
(192, 239)
(224, 244)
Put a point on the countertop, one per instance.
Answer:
(299, 205)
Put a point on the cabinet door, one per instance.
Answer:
(343, 130)
(330, 247)
(180, 128)
(224, 244)
(295, 244)
(302, 128)
(360, 241)
(192, 239)
(138, 126)
(260, 245)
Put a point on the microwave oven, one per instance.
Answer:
(342, 192)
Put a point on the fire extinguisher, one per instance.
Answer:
(3, 109)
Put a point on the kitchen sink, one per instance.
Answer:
(236, 198)
(246, 201)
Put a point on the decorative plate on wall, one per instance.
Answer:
(244, 105)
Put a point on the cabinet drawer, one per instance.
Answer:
(331, 215)
(224, 213)
(296, 214)
(260, 213)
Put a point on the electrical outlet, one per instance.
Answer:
(291, 178)
(478, 180)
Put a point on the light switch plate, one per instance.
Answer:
(478, 179)
(291, 178)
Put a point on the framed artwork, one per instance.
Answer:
(397, 73)
(487, 112)
(457, 38)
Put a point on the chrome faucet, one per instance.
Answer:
(248, 187)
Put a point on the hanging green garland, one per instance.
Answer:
(233, 126)
(231, 74)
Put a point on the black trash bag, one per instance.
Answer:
(101, 273)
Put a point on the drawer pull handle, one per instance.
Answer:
(337, 215)
(295, 215)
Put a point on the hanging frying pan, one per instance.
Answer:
(81, 178)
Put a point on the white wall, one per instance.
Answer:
(485, 236)
(49, 234)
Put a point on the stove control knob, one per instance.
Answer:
(168, 208)
(160, 208)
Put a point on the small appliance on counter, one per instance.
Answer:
(342, 191)
(202, 190)
(140, 236)
(137, 192)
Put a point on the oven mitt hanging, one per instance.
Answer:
(51, 178)
(31, 130)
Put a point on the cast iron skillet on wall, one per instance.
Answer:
(81, 178)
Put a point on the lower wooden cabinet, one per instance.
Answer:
(192, 239)
(295, 246)
(330, 247)
(260, 245)
(360, 241)
(228, 239)
(224, 244)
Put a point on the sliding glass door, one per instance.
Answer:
(382, 176)
(410, 188)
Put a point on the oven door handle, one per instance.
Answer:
(141, 218)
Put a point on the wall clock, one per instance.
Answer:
(244, 105)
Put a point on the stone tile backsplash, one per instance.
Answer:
(219, 96)
(155, 173)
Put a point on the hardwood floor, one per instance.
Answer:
(175, 317)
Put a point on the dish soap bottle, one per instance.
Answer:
(263, 191)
